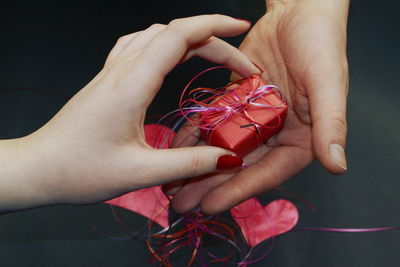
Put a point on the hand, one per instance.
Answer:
(301, 46)
(94, 149)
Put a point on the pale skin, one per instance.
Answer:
(89, 151)
(94, 148)
(301, 47)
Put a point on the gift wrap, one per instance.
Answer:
(256, 113)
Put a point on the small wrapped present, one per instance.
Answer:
(243, 118)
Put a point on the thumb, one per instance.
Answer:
(172, 164)
(328, 94)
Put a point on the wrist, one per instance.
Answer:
(332, 6)
(21, 177)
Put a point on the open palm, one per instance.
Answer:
(301, 47)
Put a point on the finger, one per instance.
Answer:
(236, 77)
(187, 136)
(190, 195)
(170, 46)
(327, 90)
(176, 186)
(178, 163)
(217, 50)
(278, 165)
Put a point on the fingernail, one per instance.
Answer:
(228, 162)
(338, 155)
(243, 20)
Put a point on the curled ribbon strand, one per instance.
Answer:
(233, 103)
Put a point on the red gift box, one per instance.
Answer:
(256, 117)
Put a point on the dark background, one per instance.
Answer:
(60, 45)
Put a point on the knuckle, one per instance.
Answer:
(217, 16)
(346, 88)
(157, 26)
(194, 166)
(338, 117)
(122, 39)
(175, 24)
(335, 122)
(343, 68)
(177, 29)
(267, 171)
(238, 191)
(345, 64)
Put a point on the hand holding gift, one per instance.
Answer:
(244, 117)
(94, 148)
(301, 46)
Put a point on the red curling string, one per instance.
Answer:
(167, 242)
(297, 196)
(347, 230)
(224, 112)
(195, 226)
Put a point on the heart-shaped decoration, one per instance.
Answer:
(150, 202)
(260, 223)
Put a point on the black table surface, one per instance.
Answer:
(60, 45)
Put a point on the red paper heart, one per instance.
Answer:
(149, 202)
(259, 223)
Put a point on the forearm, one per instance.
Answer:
(20, 179)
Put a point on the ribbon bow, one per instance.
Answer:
(219, 105)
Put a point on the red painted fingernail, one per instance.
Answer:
(243, 20)
(228, 162)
